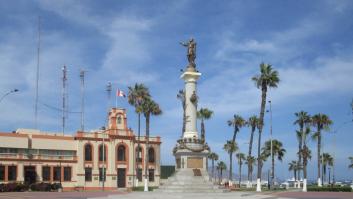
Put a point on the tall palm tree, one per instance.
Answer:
(237, 122)
(302, 118)
(250, 161)
(241, 158)
(213, 157)
(230, 147)
(293, 166)
(268, 78)
(277, 150)
(327, 160)
(306, 154)
(351, 159)
(253, 123)
(181, 97)
(136, 95)
(302, 139)
(149, 107)
(321, 122)
(204, 114)
(220, 167)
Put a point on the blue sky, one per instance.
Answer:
(126, 42)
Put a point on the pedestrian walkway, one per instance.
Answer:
(166, 195)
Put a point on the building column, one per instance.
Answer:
(39, 173)
(20, 174)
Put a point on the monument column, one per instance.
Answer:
(190, 77)
(191, 152)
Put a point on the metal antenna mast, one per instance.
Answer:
(82, 77)
(37, 79)
(64, 79)
(109, 93)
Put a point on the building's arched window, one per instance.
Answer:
(101, 153)
(88, 152)
(121, 153)
(118, 120)
(139, 154)
(151, 155)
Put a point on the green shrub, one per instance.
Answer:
(330, 189)
(143, 188)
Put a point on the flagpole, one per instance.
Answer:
(116, 101)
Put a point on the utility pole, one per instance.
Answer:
(37, 79)
(82, 77)
(64, 79)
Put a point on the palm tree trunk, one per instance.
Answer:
(299, 151)
(212, 169)
(295, 174)
(240, 173)
(318, 157)
(220, 179)
(262, 113)
(230, 166)
(202, 131)
(273, 171)
(146, 150)
(250, 150)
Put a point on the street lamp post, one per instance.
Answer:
(103, 155)
(8, 93)
(272, 176)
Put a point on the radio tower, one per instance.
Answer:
(82, 77)
(37, 79)
(109, 93)
(64, 99)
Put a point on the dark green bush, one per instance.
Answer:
(41, 187)
(56, 186)
(142, 188)
(330, 189)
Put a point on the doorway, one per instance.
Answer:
(121, 178)
(30, 174)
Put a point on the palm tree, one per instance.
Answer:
(306, 154)
(213, 157)
(321, 122)
(277, 150)
(220, 167)
(237, 122)
(327, 160)
(203, 114)
(302, 119)
(149, 107)
(351, 159)
(250, 161)
(268, 78)
(241, 158)
(136, 95)
(181, 97)
(293, 166)
(230, 147)
(253, 123)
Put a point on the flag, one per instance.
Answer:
(120, 93)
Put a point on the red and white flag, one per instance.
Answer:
(120, 93)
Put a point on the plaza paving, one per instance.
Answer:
(229, 195)
(161, 195)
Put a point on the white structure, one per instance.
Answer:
(190, 78)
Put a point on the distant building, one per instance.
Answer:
(77, 161)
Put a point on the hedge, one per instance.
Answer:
(20, 187)
(331, 189)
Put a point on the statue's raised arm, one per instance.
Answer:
(191, 51)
